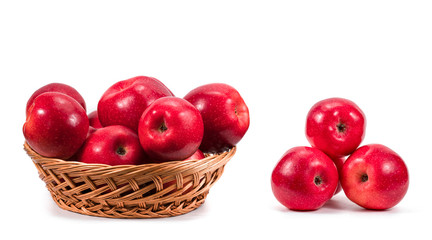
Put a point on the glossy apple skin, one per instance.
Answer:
(225, 116)
(339, 162)
(375, 177)
(112, 145)
(57, 87)
(304, 179)
(125, 101)
(94, 120)
(91, 130)
(56, 125)
(196, 156)
(170, 129)
(336, 126)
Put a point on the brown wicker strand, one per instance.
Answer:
(130, 191)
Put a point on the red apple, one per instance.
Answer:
(56, 125)
(170, 129)
(339, 162)
(336, 126)
(94, 120)
(375, 177)
(304, 179)
(225, 115)
(112, 145)
(125, 101)
(196, 156)
(91, 130)
(56, 87)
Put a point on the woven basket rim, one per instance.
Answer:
(36, 157)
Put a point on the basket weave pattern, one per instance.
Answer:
(130, 191)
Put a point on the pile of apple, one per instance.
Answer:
(137, 121)
(305, 178)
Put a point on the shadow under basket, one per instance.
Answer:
(130, 191)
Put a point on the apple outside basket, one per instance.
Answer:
(130, 191)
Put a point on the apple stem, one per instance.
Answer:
(163, 127)
(317, 180)
(341, 127)
(364, 178)
(121, 151)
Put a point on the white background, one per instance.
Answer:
(281, 56)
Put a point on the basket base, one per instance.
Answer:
(136, 212)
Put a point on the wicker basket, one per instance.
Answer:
(130, 191)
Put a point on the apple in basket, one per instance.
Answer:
(112, 145)
(212, 118)
(224, 113)
(125, 101)
(56, 125)
(170, 128)
(94, 120)
(56, 87)
(196, 156)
